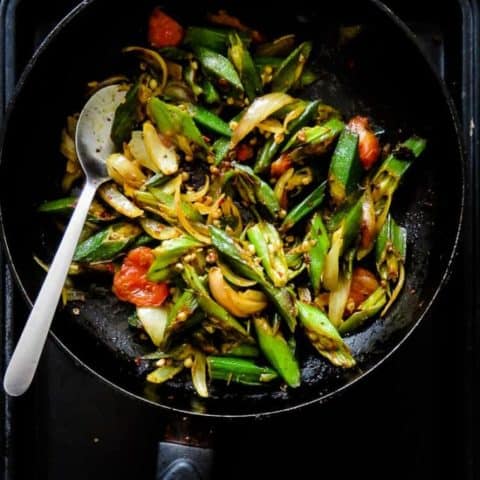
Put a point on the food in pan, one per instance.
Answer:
(240, 215)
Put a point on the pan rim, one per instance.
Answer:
(453, 251)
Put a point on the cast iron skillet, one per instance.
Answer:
(382, 73)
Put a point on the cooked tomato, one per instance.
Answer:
(164, 31)
(244, 152)
(364, 283)
(130, 283)
(368, 144)
(280, 166)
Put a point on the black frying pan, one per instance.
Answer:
(383, 74)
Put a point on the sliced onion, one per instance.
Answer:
(271, 125)
(368, 225)
(257, 112)
(330, 273)
(292, 115)
(199, 232)
(179, 91)
(119, 202)
(155, 60)
(163, 157)
(199, 374)
(123, 171)
(233, 278)
(154, 320)
(280, 187)
(215, 209)
(241, 304)
(396, 291)
(138, 151)
(337, 301)
(199, 194)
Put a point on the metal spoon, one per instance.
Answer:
(93, 146)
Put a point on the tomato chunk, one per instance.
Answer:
(364, 283)
(130, 283)
(368, 144)
(244, 152)
(164, 31)
(280, 166)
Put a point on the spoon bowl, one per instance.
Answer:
(93, 145)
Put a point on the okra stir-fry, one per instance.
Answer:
(240, 216)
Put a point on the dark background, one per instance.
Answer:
(413, 418)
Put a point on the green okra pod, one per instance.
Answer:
(367, 309)
(305, 207)
(282, 298)
(271, 147)
(241, 59)
(278, 352)
(97, 212)
(243, 350)
(345, 225)
(218, 65)
(316, 255)
(216, 313)
(107, 244)
(387, 178)
(215, 39)
(210, 93)
(221, 147)
(313, 141)
(164, 373)
(239, 370)
(172, 121)
(269, 248)
(168, 253)
(324, 336)
(345, 168)
(209, 120)
(289, 72)
(390, 254)
(261, 190)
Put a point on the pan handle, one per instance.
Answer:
(176, 461)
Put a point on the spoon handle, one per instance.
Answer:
(27, 353)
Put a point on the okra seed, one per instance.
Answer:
(211, 257)
(181, 317)
(179, 267)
